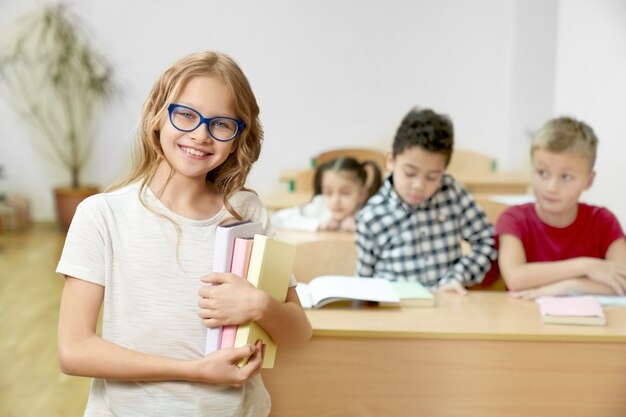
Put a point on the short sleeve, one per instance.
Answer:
(610, 227)
(251, 208)
(83, 252)
(509, 223)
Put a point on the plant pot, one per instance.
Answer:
(66, 200)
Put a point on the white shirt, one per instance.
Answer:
(307, 217)
(150, 299)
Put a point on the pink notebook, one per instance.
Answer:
(241, 259)
(582, 310)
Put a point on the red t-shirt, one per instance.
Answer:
(591, 234)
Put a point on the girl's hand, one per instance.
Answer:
(453, 286)
(330, 224)
(220, 367)
(348, 224)
(610, 273)
(229, 299)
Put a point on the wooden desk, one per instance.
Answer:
(481, 355)
(277, 201)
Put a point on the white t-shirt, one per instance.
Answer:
(307, 217)
(150, 299)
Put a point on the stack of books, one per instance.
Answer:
(265, 262)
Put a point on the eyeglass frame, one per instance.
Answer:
(240, 124)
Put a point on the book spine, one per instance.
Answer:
(241, 259)
(221, 263)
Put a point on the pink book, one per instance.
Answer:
(225, 236)
(241, 259)
(583, 310)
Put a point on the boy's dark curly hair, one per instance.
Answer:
(431, 131)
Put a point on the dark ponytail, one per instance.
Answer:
(347, 163)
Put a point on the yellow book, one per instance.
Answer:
(270, 269)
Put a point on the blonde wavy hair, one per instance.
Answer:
(231, 175)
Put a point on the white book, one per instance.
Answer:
(225, 236)
(327, 289)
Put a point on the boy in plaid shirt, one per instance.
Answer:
(412, 229)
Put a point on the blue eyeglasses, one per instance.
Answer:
(221, 128)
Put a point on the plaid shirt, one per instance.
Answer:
(422, 243)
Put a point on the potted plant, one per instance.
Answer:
(57, 82)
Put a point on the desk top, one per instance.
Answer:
(480, 315)
(301, 236)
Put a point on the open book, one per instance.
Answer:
(328, 289)
(584, 310)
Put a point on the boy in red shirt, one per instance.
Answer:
(557, 245)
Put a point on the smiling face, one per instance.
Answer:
(558, 180)
(194, 154)
(416, 173)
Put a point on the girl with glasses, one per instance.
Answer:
(142, 252)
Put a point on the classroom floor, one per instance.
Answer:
(31, 384)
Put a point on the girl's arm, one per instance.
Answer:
(82, 352)
(285, 322)
(237, 301)
(520, 275)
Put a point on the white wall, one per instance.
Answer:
(591, 85)
(326, 74)
(533, 73)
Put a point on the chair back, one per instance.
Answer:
(324, 257)
(360, 154)
(492, 208)
(464, 161)
(303, 181)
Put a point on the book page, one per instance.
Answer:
(329, 288)
(302, 290)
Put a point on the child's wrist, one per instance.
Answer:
(192, 371)
(260, 305)
(587, 265)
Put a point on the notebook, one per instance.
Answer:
(580, 310)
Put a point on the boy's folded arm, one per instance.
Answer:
(518, 274)
(580, 285)
(584, 285)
